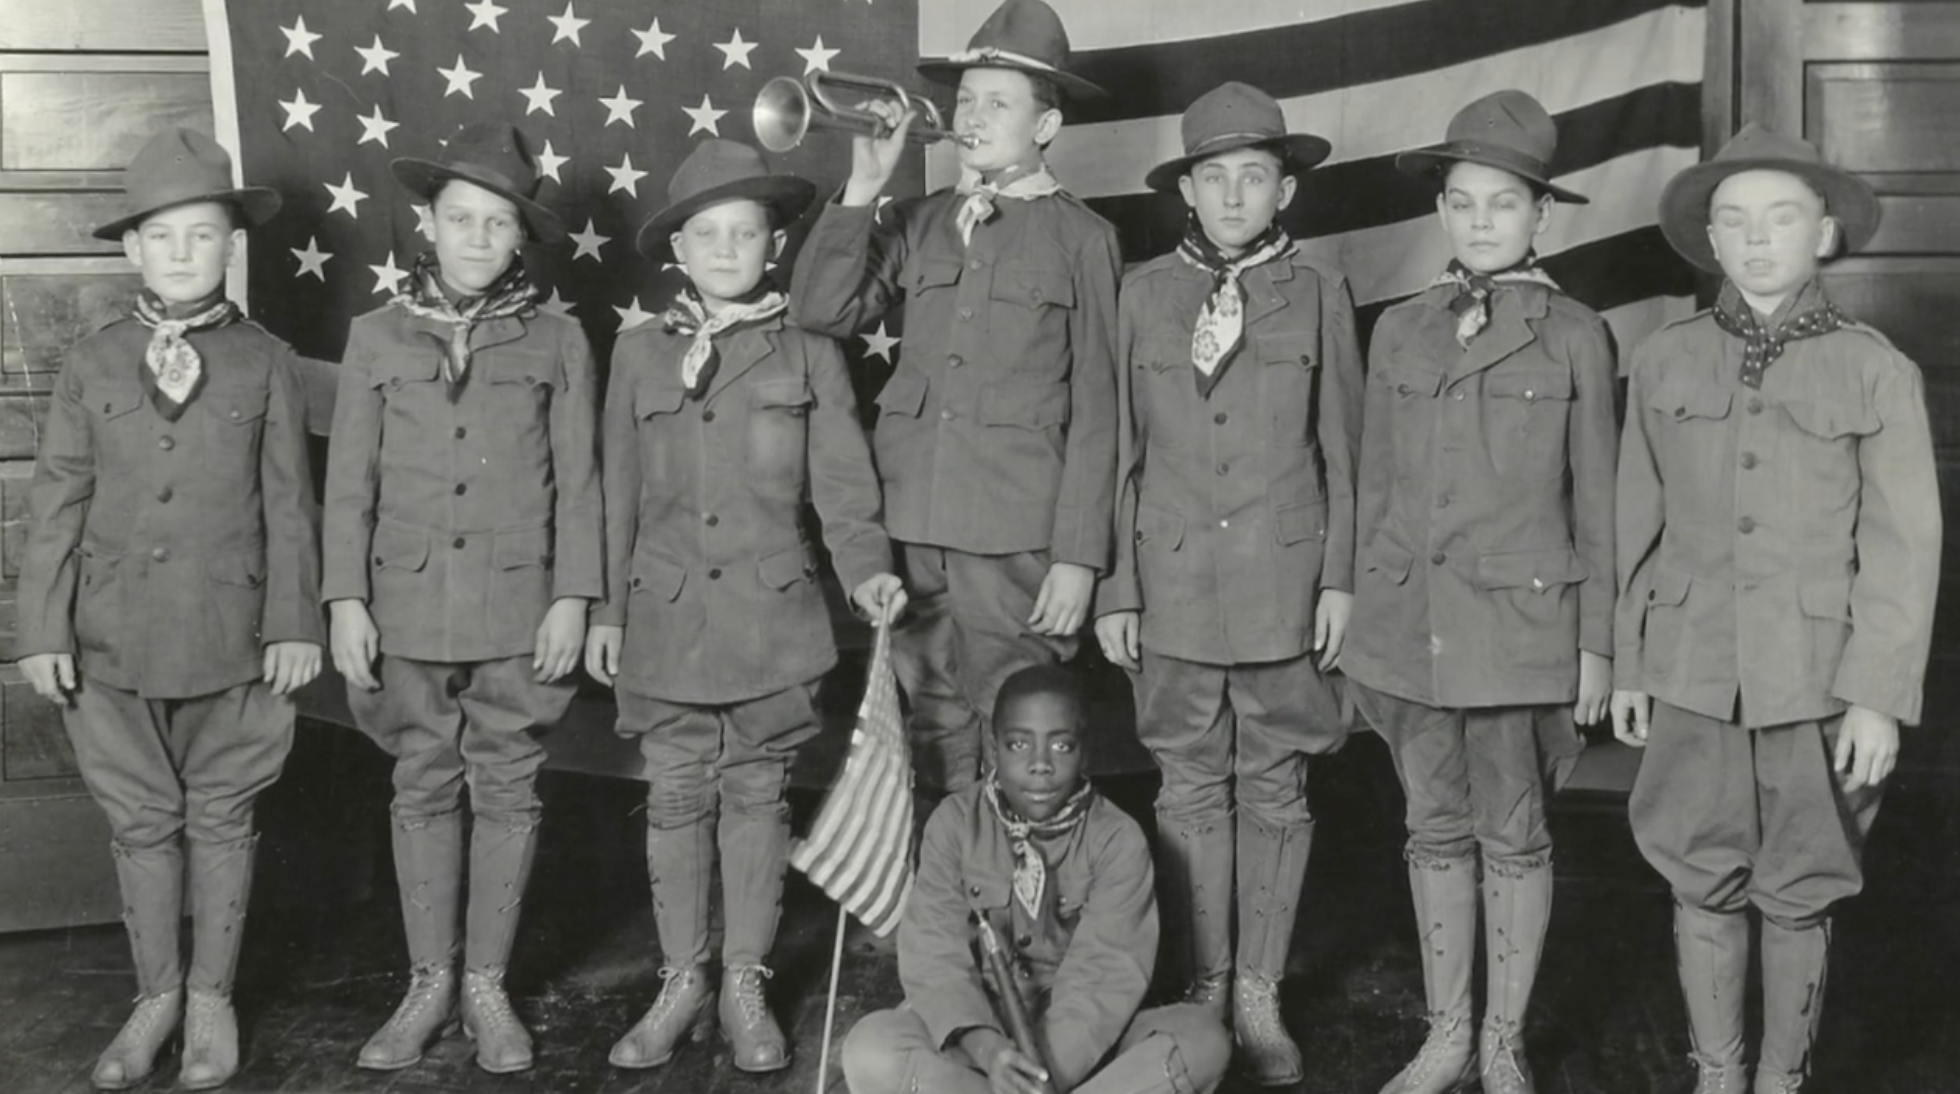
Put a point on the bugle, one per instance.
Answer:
(786, 109)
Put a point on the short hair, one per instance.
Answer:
(1025, 683)
(1047, 93)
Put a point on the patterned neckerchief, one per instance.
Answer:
(1471, 305)
(1220, 329)
(510, 295)
(689, 316)
(978, 208)
(1030, 872)
(174, 371)
(1805, 313)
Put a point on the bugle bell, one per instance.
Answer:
(786, 109)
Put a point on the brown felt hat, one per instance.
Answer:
(179, 167)
(1232, 116)
(1508, 130)
(717, 171)
(1684, 203)
(491, 155)
(1024, 35)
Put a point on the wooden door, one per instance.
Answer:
(82, 84)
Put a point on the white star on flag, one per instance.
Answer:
(589, 242)
(388, 276)
(879, 344)
(375, 128)
(568, 24)
(816, 57)
(557, 305)
(549, 162)
(345, 196)
(425, 220)
(538, 97)
(312, 260)
(299, 111)
(620, 108)
(299, 39)
(485, 13)
(653, 41)
(632, 315)
(705, 117)
(735, 51)
(460, 78)
(624, 177)
(393, 4)
(375, 58)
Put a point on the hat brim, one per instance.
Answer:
(1436, 161)
(422, 177)
(1684, 203)
(788, 195)
(256, 204)
(946, 71)
(1300, 152)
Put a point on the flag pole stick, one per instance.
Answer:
(830, 1004)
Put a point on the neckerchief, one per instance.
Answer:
(1807, 313)
(1471, 306)
(175, 370)
(980, 196)
(1030, 872)
(1220, 329)
(510, 295)
(689, 316)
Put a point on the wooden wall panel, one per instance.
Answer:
(33, 744)
(1917, 224)
(22, 413)
(42, 314)
(1886, 118)
(15, 479)
(57, 223)
(119, 26)
(93, 121)
(1911, 31)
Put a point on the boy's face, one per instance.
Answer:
(1490, 215)
(1038, 754)
(477, 235)
(1769, 231)
(725, 249)
(1237, 194)
(183, 251)
(996, 107)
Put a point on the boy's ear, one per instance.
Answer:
(133, 246)
(1189, 189)
(1288, 186)
(782, 240)
(1048, 126)
(1827, 236)
(233, 244)
(674, 245)
(1544, 214)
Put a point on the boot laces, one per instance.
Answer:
(1715, 1077)
(674, 986)
(487, 998)
(151, 1012)
(426, 989)
(1501, 1057)
(1262, 1004)
(747, 989)
(1444, 1039)
(199, 1015)
(1206, 990)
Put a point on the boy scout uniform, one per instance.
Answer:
(996, 436)
(1485, 525)
(459, 512)
(165, 556)
(1084, 963)
(727, 633)
(1235, 510)
(1779, 555)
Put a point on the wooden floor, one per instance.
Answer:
(323, 961)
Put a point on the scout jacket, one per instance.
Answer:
(708, 568)
(1781, 545)
(166, 555)
(1234, 511)
(997, 432)
(1084, 964)
(460, 520)
(1485, 513)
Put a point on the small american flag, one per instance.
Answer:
(859, 850)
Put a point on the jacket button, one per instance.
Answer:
(377, 560)
(976, 264)
(462, 488)
(161, 554)
(1438, 558)
(707, 415)
(711, 519)
(461, 432)
(714, 574)
(1748, 460)
(955, 361)
(966, 313)
(1402, 389)
(1224, 468)
(1746, 525)
(1755, 406)
(973, 890)
(946, 415)
(1442, 501)
(1139, 537)
(1024, 941)
(107, 407)
(395, 382)
(166, 443)
(165, 494)
(458, 544)
(1220, 417)
(1457, 395)
(633, 584)
(233, 415)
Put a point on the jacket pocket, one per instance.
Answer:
(1832, 419)
(234, 603)
(1386, 560)
(233, 419)
(1539, 571)
(904, 394)
(654, 575)
(989, 893)
(524, 366)
(517, 550)
(1826, 598)
(785, 568)
(1685, 402)
(779, 436)
(650, 399)
(1159, 528)
(933, 273)
(1528, 413)
(1033, 286)
(407, 366)
(1663, 622)
(1408, 381)
(1300, 521)
(245, 570)
(399, 549)
(520, 584)
(98, 614)
(1286, 383)
(1532, 607)
(1024, 406)
(113, 401)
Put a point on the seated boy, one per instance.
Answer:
(1779, 547)
(1064, 877)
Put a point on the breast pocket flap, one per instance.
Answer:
(785, 568)
(904, 394)
(1539, 571)
(790, 394)
(1299, 522)
(1833, 418)
(652, 399)
(1034, 286)
(1285, 349)
(1529, 386)
(1693, 401)
(243, 570)
(657, 576)
(1409, 380)
(933, 274)
(988, 892)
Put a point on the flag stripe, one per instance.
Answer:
(1161, 78)
(944, 25)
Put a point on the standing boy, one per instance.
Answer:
(1779, 548)
(168, 601)
(1241, 393)
(1483, 613)
(463, 536)
(996, 437)
(721, 420)
(1064, 877)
